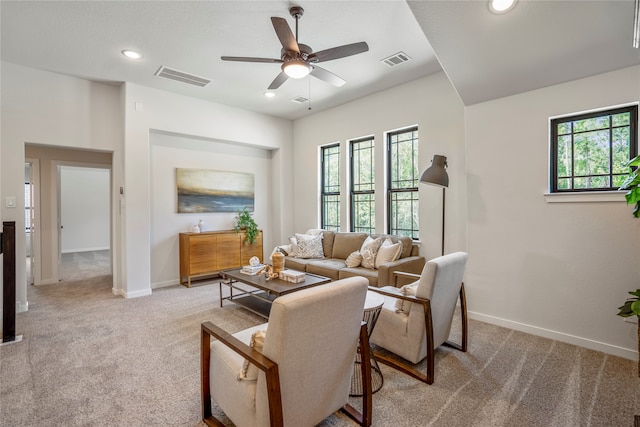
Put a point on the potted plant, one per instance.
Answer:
(631, 307)
(632, 184)
(245, 222)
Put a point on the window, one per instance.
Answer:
(403, 175)
(589, 151)
(330, 190)
(363, 209)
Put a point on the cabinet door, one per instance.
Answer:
(202, 256)
(251, 249)
(228, 251)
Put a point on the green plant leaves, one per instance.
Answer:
(631, 306)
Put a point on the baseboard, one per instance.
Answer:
(22, 306)
(101, 248)
(558, 336)
(136, 294)
(46, 282)
(165, 284)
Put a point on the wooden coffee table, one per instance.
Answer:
(256, 294)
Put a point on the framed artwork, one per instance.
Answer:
(203, 190)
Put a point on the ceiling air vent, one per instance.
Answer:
(190, 79)
(300, 99)
(396, 59)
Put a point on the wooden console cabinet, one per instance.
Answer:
(208, 253)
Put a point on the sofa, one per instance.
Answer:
(337, 256)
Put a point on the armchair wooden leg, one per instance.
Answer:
(364, 418)
(465, 324)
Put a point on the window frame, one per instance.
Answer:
(325, 195)
(633, 147)
(354, 194)
(413, 190)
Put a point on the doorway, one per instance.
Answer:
(84, 219)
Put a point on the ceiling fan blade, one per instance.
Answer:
(277, 82)
(341, 51)
(327, 76)
(249, 59)
(284, 34)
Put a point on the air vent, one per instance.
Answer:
(300, 99)
(180, 76)
(396, 59)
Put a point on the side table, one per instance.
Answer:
(372, 307)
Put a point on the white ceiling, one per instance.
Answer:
(486, 56)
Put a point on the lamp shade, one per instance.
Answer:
(296, 68)
(436, 174)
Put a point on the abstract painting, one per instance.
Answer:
(202, 190)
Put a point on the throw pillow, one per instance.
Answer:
(294, 246)
(309, 246)
(369, 253)
(388, 253)
(354, 259)
(403, 306)
(249, 372)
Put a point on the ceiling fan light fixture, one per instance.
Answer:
(501, 6)
(296, 68)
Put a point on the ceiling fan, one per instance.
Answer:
(297, 59)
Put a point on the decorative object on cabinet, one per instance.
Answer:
(201, 190)
(246, 223)
(208, 253)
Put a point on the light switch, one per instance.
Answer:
(11, 202)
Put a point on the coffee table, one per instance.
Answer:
(256, 294)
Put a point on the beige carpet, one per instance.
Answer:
(89, 358)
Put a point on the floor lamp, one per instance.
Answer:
(436, 174)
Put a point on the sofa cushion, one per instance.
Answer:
(299, 264)
(326, 267)
(369, 252)
(327, 243)
(354, 259)
(407, 243)
(370, 275)
(309, 246)
(388, 252)
(345, 243)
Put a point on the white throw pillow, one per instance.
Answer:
(309, 246)
(369, 253)
(294, 246)
(354, 259)
(388, 253)
(249, 371)
(403, 306)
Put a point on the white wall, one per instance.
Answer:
(432, 104)
(50, 109)
(84, 197)
(169, 152)
(554, 269)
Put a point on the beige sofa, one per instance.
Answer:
(337, 246)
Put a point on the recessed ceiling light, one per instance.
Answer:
(269, 94)
(501, 6)
(132, 54)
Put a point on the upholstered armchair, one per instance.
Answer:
(303, 372)
(416, 319)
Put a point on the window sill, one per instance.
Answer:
(582, 197)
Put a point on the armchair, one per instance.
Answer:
(305, 366)
(414, 328)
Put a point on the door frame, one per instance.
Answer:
(34, 235)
